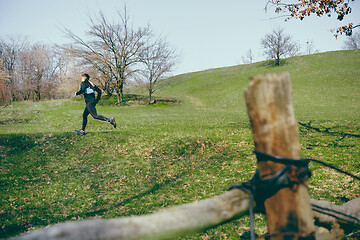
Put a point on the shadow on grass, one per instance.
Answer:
(328, 131)
(14, 121)
(20, 154)
(39, 213)
(154, 189)
(136, 99)
(24, 148)
(16, 144)
(14, 229)
(31, 164)
(178, 152)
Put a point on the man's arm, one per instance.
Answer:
(98, 90)
(82, 89)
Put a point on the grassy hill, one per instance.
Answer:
(319, 81)
(168, 154)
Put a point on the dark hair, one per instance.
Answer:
(86, 75)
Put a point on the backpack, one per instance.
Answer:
(90, 85)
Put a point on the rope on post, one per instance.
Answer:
(294, 172)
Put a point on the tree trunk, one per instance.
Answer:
(150, 92)
(120, 95)
(118, 98)
(150, 89)
(277, 60)
(275, 132)
(107, 88)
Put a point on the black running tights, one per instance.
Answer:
(90, 109)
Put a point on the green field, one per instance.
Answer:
(167, 154)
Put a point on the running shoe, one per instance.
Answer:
(112, 122)
(80, 132)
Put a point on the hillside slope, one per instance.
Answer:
(328, 80)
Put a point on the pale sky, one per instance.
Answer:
(207, 33)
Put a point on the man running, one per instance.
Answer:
(88, 89)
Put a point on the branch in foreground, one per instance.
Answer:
(180, 220)
(166, 224)
(348, 213)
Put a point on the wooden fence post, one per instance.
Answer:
(275, 132)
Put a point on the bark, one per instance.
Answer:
(275, 132)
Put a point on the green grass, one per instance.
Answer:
(172, 153)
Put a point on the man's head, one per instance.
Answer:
(85, 76)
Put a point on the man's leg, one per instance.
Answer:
(85, 115)
(93, 112)
(91, 108)
(84, 122)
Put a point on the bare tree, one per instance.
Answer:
(37, 72)
(10, 50)
(158, 58)
(248, 58)
(27, 71)
(310, 47)
(69, 70)
(5, 95)
(278, 45)
(112, 49)
(352, 42)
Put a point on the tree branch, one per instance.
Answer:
(166, 224)
(179, 220)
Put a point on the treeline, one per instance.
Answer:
(36, 71)
(114, 54)
(28, 71)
